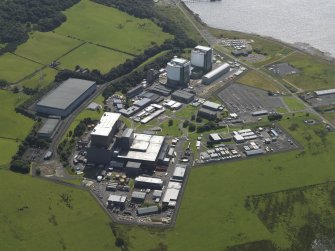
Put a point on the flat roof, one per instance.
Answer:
(203, 48)
(142, 102)
(210, 104)
(66, 93)
(152, 143)
(215, 136)
(49, 126)
(179, 172)
(175, 185)
(117, 198)
(217, 71)
(149, 180)
(178, 62)
(138, 195)
(127, 132)
(132, 164)
(147, 210)
(254, 152)
(170, 194)
(183, 94)
(325, 92)
(106, 124)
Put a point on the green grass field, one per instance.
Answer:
(45, 216)
(44, 47)
(110, 27)
(40, 79)
(8, 148)
(330, 116)
(256, 79)
(93, 57)
(293, 103)
(172, 130)
(213, 214)
(186, 112)
(86, 114)
(14, 68)
(13, 125)
(315, 73)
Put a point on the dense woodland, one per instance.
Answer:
(18, 17)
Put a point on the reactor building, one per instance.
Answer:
(102, 141)
(66, 97)
(111, 143)
(178, 72)
(202, 57)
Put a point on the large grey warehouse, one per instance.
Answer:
(66, 97)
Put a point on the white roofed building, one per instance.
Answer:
(103, 132)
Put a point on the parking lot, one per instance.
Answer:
(265, 142)
(244, 100)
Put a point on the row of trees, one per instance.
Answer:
(18, 17)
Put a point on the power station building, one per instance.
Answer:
(202, 57)
(102, 138)
(178, 72)
(66, 97)
(216, 73)
(103, 133)
(109, 142)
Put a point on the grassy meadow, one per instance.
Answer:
(41, 78)
(46, 216)
(293, 103)
(315, 74)
(14, 68)
(8, 148)
(44, 47)
(13, 125)
(256, 79)
(93, 57)
(110, 27)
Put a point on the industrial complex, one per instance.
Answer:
(136, 169)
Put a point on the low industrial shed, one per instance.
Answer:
(147, 210)
(208, 114)
(49, 128)
(66, 97)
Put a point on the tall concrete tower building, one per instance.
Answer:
(202, 57)
(178, 72)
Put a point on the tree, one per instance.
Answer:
(16, 89)
(170, 122)
(20, 166)
(186, 123)
(199, 119)
(80, 129)
(38, 172)
(191, 127)
(193, 117)
(275, 116)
